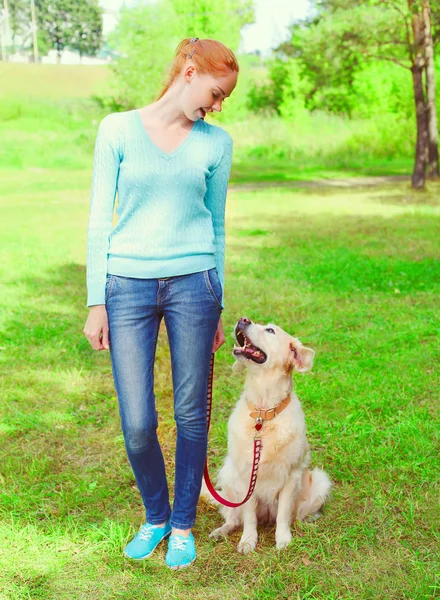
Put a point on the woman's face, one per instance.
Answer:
(206, 93)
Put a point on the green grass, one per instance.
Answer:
(47, 134)
(33, 81)
(353, 273)
(48, 120)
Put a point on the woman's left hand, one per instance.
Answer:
(219, 339)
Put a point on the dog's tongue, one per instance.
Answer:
(249, 350)
(252, 351)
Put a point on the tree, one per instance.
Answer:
(70, 23)
(343, 34)
(19, 18)
(143, 40)
(54, 18)
(210, 19)
(433, 164)
(87, 28)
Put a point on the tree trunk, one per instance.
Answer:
(433, 169)
(418, 60)
(418, 176)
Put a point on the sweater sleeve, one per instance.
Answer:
(215, 201)
(102, 201)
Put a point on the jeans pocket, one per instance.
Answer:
(108, 285)
(214, 286)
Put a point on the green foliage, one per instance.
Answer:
(376, 88)
(354, 273)
(338, 43)
(44, 43)
(211, 19)
(283, 92)
(382, 88)
(87, 31)
(340, 56)
(19, 17)
(144, 39)
(70, 23)
(293, 90)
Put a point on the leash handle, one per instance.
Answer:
(257, 451)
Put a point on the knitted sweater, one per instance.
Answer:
(171, 206)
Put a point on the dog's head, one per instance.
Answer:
(269, 347)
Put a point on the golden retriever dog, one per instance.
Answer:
(286, 489)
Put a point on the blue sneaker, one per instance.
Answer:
(181, 551)
(145, 542)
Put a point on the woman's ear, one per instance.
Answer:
(301, 356)
(238, 366)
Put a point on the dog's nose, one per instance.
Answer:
(246, 320)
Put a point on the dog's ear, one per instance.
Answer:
(301, 357)
(238, 366)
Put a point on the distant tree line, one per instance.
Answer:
(73, 24)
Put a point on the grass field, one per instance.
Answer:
(58, 82)
(48, 120)
(353, 273)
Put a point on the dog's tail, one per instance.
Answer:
(314, 493)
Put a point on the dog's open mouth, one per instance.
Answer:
(247, 349)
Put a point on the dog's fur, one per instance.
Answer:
(286, 489)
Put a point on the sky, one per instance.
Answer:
(269, 29)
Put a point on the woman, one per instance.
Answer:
(163, 258)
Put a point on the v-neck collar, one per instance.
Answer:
(165, 155)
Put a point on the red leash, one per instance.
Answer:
(257, 450)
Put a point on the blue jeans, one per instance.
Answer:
(191, 307)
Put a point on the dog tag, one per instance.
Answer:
(258, 423)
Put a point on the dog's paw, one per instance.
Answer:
(313, 518)
(282, 539)
(218, 533)
(247, 544)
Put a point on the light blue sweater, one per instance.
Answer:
(171, 206)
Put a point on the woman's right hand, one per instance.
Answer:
(96, 328)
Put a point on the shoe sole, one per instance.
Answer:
(180, 567)
(148, 555)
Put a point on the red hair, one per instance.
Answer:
(209, 56)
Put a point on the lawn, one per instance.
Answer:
(354, 273)
(49, 116)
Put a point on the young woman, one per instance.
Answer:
(164, 257)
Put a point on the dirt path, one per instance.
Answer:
(343, 182)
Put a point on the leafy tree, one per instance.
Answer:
(344, 34)
(87, 28)
(211, 19)
(55, 19)
(19, 18)
(283, 92)
(70, 23)
(143, 40)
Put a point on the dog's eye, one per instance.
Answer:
(270, 330)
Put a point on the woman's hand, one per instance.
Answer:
(219, 339)
(96, 328)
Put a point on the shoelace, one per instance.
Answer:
(146, 532)
(178, 544)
